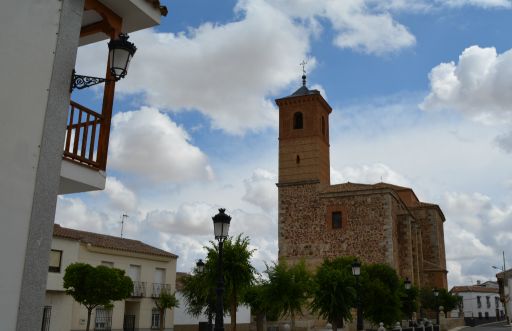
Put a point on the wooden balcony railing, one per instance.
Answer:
(86, 137)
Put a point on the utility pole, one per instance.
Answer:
(506, 298)
(123, 218)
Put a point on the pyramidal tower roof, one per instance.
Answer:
(303, 90)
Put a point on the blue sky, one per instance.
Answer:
(420, 92)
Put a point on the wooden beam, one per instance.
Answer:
(94, 28)
(112, 19)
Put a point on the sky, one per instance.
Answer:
(420, 92)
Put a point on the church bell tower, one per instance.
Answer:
(304, 137)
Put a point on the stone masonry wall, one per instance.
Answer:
(369, 227)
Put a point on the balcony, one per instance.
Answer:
(85, 150)
(159, 288)
(139, 289)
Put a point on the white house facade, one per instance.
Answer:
(151, 270)
(481, 301)
(39, 44)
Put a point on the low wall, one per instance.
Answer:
(450, 323)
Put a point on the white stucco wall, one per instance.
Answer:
(28, 39)
(471, 304)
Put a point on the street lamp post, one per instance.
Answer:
(408, 285)
(436, 294)
(221, 228)
(356, 271)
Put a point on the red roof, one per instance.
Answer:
(111, 242)
(480, 289)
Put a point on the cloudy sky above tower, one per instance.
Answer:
(421, 97)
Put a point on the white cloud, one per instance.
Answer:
(120, 196)
(477, 3)
(478, 85)
(261, 190)
(504, 141)
(359, 24)
(75, 214)
(368, 174)
(149, 144)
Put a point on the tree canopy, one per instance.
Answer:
(288, 288)
(334, 291)
(238, 272)
(381, 298)
(96, 286)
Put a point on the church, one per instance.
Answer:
(377, 223)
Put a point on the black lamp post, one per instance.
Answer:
(408, 285)
(356, 271)
(436, 294)
(120, 52)
(221, 227)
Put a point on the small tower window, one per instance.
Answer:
(297, 160)
(323, 125)
(336, 220)
(297, 120)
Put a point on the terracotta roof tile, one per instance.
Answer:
(480, 289)
(111, 242)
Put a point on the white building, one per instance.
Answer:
(480, 301)
(151, 270)
(39, 41)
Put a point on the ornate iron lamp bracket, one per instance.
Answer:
(81, 81)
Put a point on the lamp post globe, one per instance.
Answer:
(356, 271)
(120, 52)
(200, 266)
(221, 223)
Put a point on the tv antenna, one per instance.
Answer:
(123, 218)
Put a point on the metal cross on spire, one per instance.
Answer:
(303, 64)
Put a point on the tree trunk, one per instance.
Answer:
(233, 310)
(334, 325)
(233, 317)
(260, 322)
(89, 311)
(162, 322)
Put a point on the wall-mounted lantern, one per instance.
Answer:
(120, 52)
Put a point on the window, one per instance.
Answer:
(155, 318)
(479, 314)
(488, 301)
(47, 312)
(103, 320)
(297, 120)
(497, 302)
(479, 302)
(336, 220)
(486, 315)
(297, 159)
(55, 260)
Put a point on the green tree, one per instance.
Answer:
(382, 293)
(96, 286)
(448, 301)
(257, 297)
(239, 274)
(334, 291)
(165, 300)
(288, 288)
